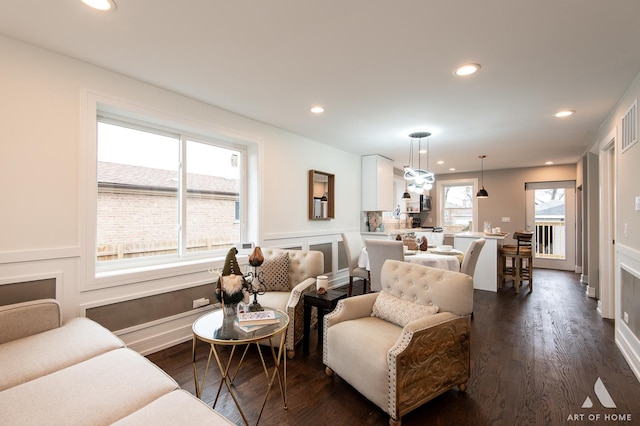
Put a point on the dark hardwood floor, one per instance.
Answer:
(535, 359)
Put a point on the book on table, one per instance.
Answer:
(257, 318)
(249, 328)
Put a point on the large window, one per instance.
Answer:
(162, 195)
(457, 205)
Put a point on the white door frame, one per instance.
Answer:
(569, 262)
(607, 250)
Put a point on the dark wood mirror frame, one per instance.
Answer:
(321, 183)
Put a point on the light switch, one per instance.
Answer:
(638, 203)
(506, 219)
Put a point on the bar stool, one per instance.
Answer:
(516, 261)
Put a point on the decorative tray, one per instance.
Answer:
(496, 234)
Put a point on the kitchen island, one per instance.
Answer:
(486, 273)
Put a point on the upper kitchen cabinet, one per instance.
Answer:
(377, 183)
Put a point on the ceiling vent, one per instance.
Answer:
(630, 127)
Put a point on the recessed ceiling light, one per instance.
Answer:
(440, 162)
(466, 69)
(317, 109)
(452, 169)
(101, 4)
(565, 113)
(548, 163)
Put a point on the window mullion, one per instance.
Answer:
(182, 215)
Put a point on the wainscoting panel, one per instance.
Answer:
(627, 331)
(343, 261)
(27, 290)
(327, 250)
(130, 313)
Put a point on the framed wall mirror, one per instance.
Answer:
(321, 195)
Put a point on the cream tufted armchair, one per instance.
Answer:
(304, 267)
(397, 367)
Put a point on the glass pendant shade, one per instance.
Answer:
(421, 180)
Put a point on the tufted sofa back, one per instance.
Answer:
(303, 264)
(451, 291)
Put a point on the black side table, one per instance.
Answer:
(325, 304)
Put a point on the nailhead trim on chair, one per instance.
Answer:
(336, 311)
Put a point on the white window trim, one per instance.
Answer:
(440, 184)
(92, 103)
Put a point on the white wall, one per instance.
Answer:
(627, 245)
(41, 171)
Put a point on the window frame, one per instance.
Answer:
(165, 266)
(440, 187)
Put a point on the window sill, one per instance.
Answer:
(139, 274)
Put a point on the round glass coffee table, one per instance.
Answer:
(219, 330)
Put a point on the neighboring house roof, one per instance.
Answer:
(551, 208)
(123, 175)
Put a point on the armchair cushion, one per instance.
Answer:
(275, 272)
(398, 311)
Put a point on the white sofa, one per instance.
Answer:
(304, 267)
(80, 373)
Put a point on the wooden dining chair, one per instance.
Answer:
(379, 251)
(353, 245)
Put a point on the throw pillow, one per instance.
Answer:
(398, 311)
(275, 272)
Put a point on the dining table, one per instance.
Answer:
(449, 260)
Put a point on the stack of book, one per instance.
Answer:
(252, 321)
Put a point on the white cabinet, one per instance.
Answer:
(377, 183)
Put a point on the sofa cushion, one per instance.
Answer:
(175, 408)
(100, 390)
(398, 311)
(34, 356)
(275, 272)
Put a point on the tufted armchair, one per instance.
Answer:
(398, 367)
(304, 267)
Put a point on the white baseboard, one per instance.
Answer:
(161, 341)
(591, 292)
(584, 279)
(157, 337)
(629, 345)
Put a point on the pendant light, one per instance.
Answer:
(406, 191)
(483, 192)
(421, 180)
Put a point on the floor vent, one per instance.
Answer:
(630, 127)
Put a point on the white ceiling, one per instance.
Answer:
(381, 68)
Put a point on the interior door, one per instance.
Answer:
(551, 213)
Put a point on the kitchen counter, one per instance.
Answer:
(390, 233)
(476, 235)
(485, 276)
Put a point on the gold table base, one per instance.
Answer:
(225, 367)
